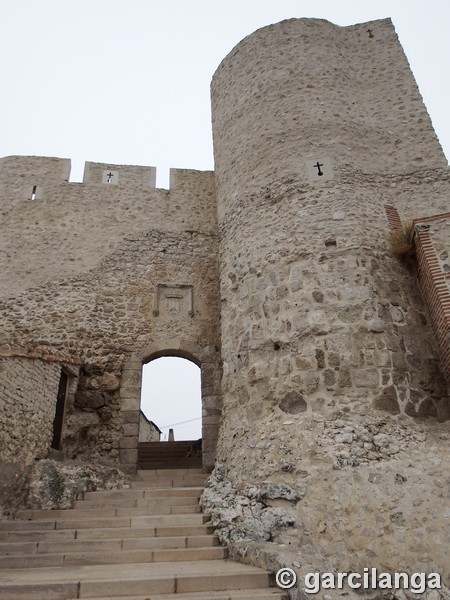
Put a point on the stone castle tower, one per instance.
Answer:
(317, 129)
(325, 358)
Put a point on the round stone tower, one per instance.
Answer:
(317, 129)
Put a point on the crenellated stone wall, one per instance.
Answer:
(70, 227)
(101, 270)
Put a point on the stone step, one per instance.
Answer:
(195, 481)
(139, 521)
(102, 557)
(32, 535)
(151, 473)
(170, 460)
(265, 594)
(179, 453)
(106, 545)
(169, 455)
(15, 525)
(60, 583)
(164, 450)
(127, 533)
(135, 502)
(150, 494)
(174, 463)
(93, 513)
(168, 444)
(127, 543)
(165, 456)
(104, 533)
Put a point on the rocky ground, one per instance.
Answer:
(370, 492)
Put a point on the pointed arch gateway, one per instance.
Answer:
(208, 359)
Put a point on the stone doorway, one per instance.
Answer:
(208, 360)
(58, 420)
(171, 400)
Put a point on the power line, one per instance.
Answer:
(180, 423)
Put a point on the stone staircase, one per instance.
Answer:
(169, 455)
(149, 542)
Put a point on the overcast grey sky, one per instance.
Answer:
(127, 82)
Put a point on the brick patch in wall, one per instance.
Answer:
(435, 290)
(393, 218)
(43, 353)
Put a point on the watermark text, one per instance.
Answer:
(369, 579)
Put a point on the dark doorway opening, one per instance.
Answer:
(59, 411)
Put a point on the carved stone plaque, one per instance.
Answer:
(110, 176)
(319, 169)
(174, 301)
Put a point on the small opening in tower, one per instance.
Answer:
(33, 193)
(330, 243)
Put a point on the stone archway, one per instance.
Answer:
(171, 400)
(208, 359)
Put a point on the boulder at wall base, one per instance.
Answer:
(89, 399)
(55, 485)
(240, 515)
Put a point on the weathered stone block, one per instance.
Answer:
(128, 442)
(130, 403)
(311, 382)
(127, 456)
(377, 326)
(396, 314)
(293, 403)
(89, 399)
(382, 358)
(318, 296)
(387, 400)
(365, 378)
(329, 378)
(130, 416)
(320, 358)
(421, 408)
(273, 491)
(130, 429)
(110, 382)
(350, 314)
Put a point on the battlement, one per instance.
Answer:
(70, 226)
(38, 176)
(40, 169)
(119, 175)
